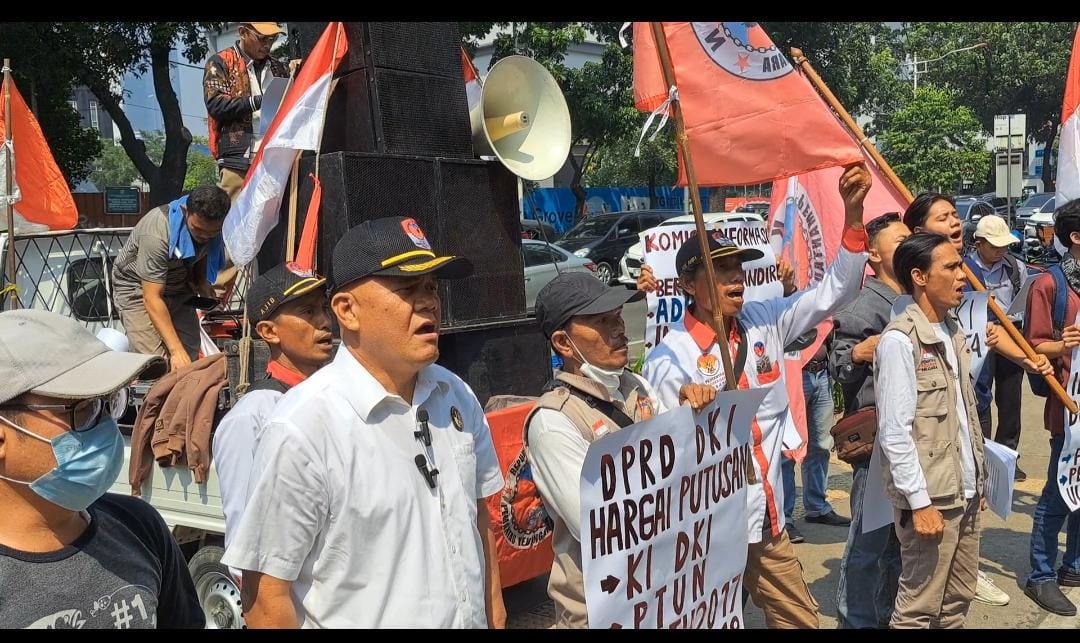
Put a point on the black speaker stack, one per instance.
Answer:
(398, 142)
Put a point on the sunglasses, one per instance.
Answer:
(263, 40)
(84, 414)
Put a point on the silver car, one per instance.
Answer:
(544, 262)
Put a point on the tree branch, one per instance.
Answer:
(135, 149)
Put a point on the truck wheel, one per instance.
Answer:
(218, 593)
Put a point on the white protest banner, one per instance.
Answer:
(663, 518)
(972, 316)
(667, 304)
(1000, 469)
(1068, 468)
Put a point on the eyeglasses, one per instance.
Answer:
(84, 414)
(263, 40)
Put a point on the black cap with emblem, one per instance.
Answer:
(392, 246)
(280, 284)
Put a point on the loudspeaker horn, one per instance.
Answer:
(522, 119)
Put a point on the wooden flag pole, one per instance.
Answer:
(683, 142)
(9, 207)
(1010, 328)
(290, 234)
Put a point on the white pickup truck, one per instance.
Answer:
(68, 272)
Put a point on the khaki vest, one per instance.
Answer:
(936, 428)
(566, 586)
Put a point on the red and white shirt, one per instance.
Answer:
(689, 354)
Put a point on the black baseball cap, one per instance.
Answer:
(689, 255)
(391, 246)
(577, 293)
(282, 283)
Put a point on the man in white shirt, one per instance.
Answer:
(593, 395)
(287, 308)
(367, 497)
(932, 458)
(758, 331)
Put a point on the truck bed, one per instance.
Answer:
(174, 493)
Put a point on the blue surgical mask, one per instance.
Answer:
(87, 464)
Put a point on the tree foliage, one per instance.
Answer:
(933, 144)
(859, 61)
(1022, 70)
(114, 167)
(46, 84)
(99, 53)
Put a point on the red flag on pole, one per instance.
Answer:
(305, 254)
(41, 189)
(750, 115)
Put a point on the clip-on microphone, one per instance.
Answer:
(429, 474)
(423, 433)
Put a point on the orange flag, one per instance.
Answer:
(750, 115)
(44, 195)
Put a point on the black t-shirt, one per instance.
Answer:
(125, 572)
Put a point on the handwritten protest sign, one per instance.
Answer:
(667, 304)
(663, 518)
(1068, 468)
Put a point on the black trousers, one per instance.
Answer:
(1008, 379)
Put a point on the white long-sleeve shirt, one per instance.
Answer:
(689, 354)
(235, 441)
(896, 395)
(557, 453)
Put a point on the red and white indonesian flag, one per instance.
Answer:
(1068, 176)
(473, 88)
(297, 126)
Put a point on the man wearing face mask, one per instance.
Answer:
(592, 396)
(367, 504)
(758, 331)
(71, 555)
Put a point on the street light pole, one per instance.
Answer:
(915, 62)
(915, 72)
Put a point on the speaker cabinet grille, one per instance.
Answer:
(401, 90)
(465, 207)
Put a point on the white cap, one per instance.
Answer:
(994, 230)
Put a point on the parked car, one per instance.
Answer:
(1039, 203)
(604, 238)
(533, 229)
(544, 262)
(630, 264)
(1001, 204)
(1040, 222)
(970, 211)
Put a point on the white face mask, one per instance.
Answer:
(609, 379)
